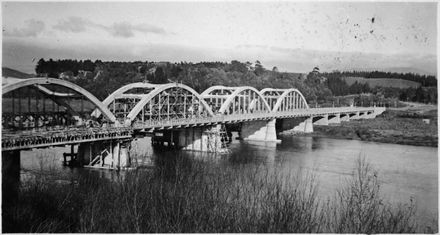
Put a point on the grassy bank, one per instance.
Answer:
(398, 126)
(195, 197)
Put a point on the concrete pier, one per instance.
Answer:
(321, 120)
(306, 126)
(334, 119)
(259, 131)
(105, 154)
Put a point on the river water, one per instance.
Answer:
(406, 172)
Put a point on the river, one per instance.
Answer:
(406, 172)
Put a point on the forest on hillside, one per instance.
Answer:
(425, 80)
(103, 78)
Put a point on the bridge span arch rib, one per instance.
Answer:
(244, 99)
(38, 83)
(154, 102)
(281, 100)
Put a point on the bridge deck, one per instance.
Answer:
(38, 138)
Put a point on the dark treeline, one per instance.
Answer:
(54, 68)
(425, 80)
(106, 77)
(421, 94)
(340, 88)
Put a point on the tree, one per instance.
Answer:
(159, 76)
(41, 66)
(259, 70)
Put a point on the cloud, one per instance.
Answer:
(23, 54)
(31, 28)
(122, 29)
(146, 28)
(73, 24)
(126, 30)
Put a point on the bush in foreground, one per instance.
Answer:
(197, 197)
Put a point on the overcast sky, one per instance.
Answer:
(294, 36)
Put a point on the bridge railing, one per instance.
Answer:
(11, 141)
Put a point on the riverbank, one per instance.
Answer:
(398, 126)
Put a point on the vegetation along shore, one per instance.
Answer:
(411, 125)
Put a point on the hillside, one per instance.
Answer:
(104, 77)
(382, 82)
(7, 72)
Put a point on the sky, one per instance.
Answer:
(294, 36)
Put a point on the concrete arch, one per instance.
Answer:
(281, 99)
(121, 91)
(239, 90)
(220, 87)
(158, 89)
(127, 87)
(263, 91)
(44, 81)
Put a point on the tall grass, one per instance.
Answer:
(187, 196)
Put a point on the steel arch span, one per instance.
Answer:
(38, 92)
(141, 102)
(235, 100)
(281, 100)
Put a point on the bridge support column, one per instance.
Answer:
(335, 120)
(259, 131)
(323, 121)
(106, 154)
(355, 116)
(345, 118)
(205, 139)
(10, 176)
(166, 138)
(305, 127)
(369, 115)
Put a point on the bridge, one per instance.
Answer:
(48, 112)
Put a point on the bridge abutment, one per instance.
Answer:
(369, 115)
